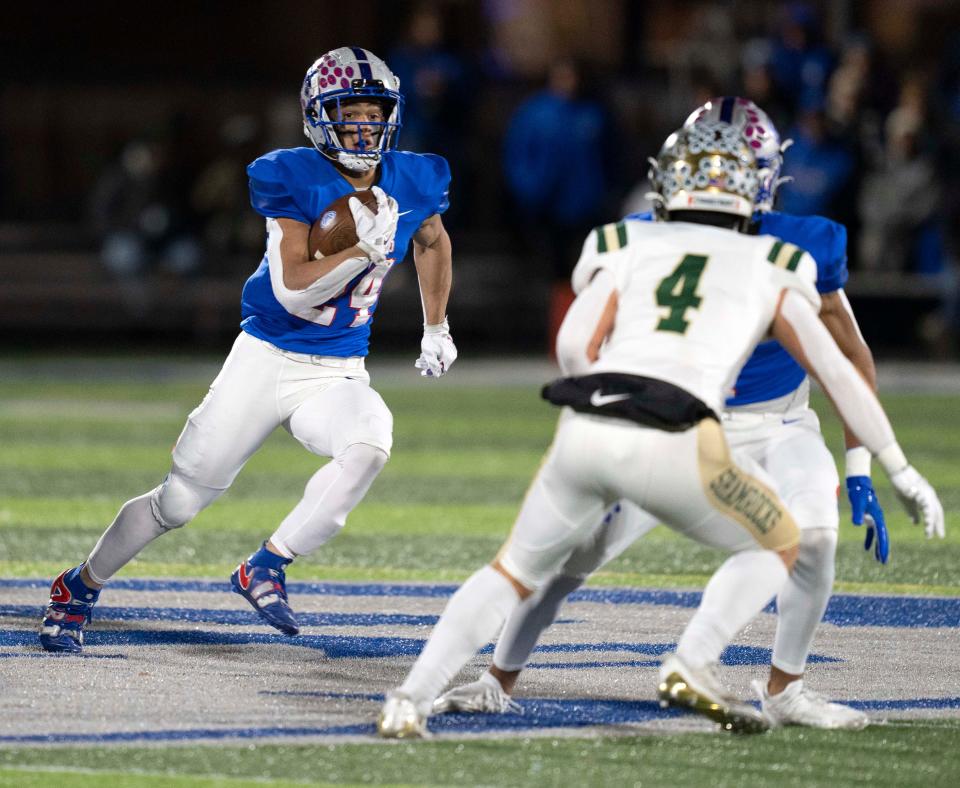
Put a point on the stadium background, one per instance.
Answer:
(115, 124)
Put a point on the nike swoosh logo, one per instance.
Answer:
(792, 421)
(404, 213)
(598, 400)
(244, 577)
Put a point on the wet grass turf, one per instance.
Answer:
(921, 753)
(72, 451)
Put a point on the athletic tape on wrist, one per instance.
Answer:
(858, 461)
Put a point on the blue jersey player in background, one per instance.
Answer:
(768, 417)
(299, 360)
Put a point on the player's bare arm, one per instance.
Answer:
(299, 270)
(809, 343)
(433, 257)
(838, 317)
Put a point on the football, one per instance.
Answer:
(334, 230)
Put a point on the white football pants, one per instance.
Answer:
(687, 480)
(790, 449)
(326, 403)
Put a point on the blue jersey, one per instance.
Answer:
(299, 183)
(771, 372)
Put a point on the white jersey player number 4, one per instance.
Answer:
(671, 336)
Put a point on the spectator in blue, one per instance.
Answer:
(434, 82)
(799, 61)
(820, 164)
(559, 168)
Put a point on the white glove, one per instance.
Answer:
(920, 500)
(437, 350)
(375, 231)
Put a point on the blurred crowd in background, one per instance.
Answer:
(123, 196)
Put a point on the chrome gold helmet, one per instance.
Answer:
(758, 132)
(707, 166)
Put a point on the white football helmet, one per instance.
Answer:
(760, 134)
(342, 75)
(706, 166)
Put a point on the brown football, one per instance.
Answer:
(335, 229)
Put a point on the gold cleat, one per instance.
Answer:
(400, 719)
(699, 690)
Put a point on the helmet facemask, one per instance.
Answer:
(344, 76)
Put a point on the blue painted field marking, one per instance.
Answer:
(357, 647)
(844, 610)
(45, 655)
(537, 704)
(333, 646)
(232, 617)
(375, 696)
(186, 735)
(626, 663)
(901, 705)
(537, 713)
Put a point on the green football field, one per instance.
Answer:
(74, 446)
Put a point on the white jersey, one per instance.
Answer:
(693, 300)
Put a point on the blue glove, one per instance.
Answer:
(866, 508)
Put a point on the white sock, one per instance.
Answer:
(738, 590)
(471, 620)
(132, 529)
(803, 599)
(529, 620)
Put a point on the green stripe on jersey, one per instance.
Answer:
(784, 255)
(774, 251)
(601, 240)
(611, 237)
(622, 234)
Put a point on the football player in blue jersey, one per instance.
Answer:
(299, 359)
(768, 418)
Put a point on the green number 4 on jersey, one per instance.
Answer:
(678, 293)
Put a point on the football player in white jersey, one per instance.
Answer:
(299, 359)
(661, 326)
(767, 416)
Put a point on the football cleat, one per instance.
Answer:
(61, 630)
(796, 705)
(400, 718)
(266, 590)
(700, 690)
(484, 696)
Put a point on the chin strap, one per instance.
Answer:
(358, 163)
